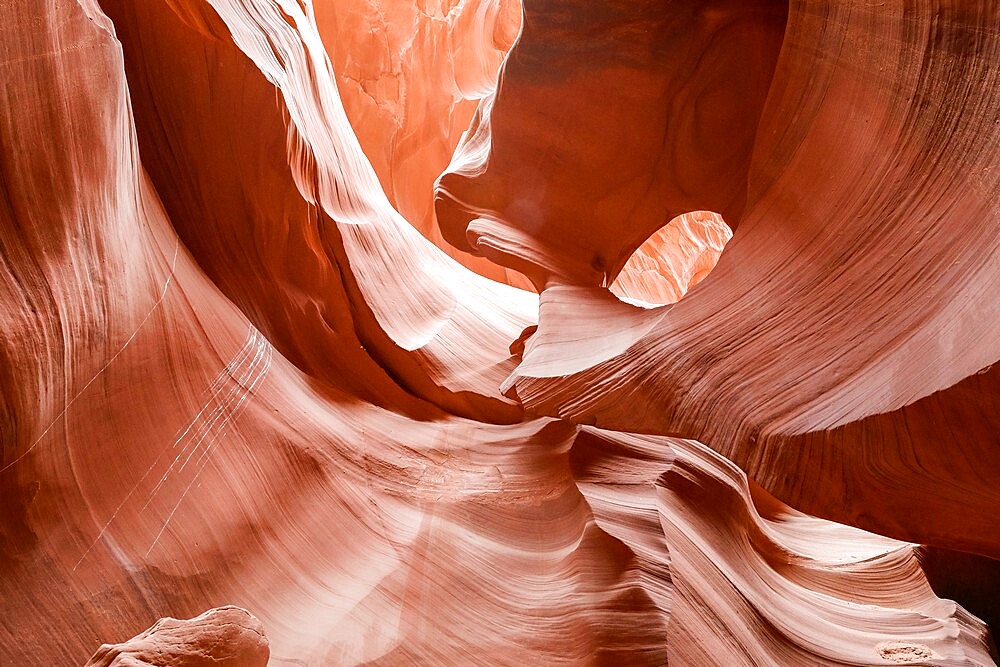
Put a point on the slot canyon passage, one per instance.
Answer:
(461, 332)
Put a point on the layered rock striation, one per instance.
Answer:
(245, 360)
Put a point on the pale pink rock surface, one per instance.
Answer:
(234, 373)
(222, 637)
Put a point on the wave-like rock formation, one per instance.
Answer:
(246, 358)
(842, 351)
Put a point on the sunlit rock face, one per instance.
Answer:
(263, 349)
(410, 75)
(674, 259)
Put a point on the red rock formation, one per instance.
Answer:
(234, 373)
(410, 76)
(223, 637)
(843, 349)
(612, 118)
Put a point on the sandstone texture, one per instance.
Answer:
(458, 332)
(223, 637)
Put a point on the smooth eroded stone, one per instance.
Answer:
(221, 637)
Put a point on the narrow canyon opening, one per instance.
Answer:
(673, 260)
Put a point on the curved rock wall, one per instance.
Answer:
(234, 373)
(842, 350)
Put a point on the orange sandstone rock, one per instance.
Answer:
(238, 368)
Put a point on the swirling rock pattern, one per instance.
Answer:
(239, 369)
(843, 350)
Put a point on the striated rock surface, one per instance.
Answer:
(224, 637)
(843, 351)
(237, 366)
